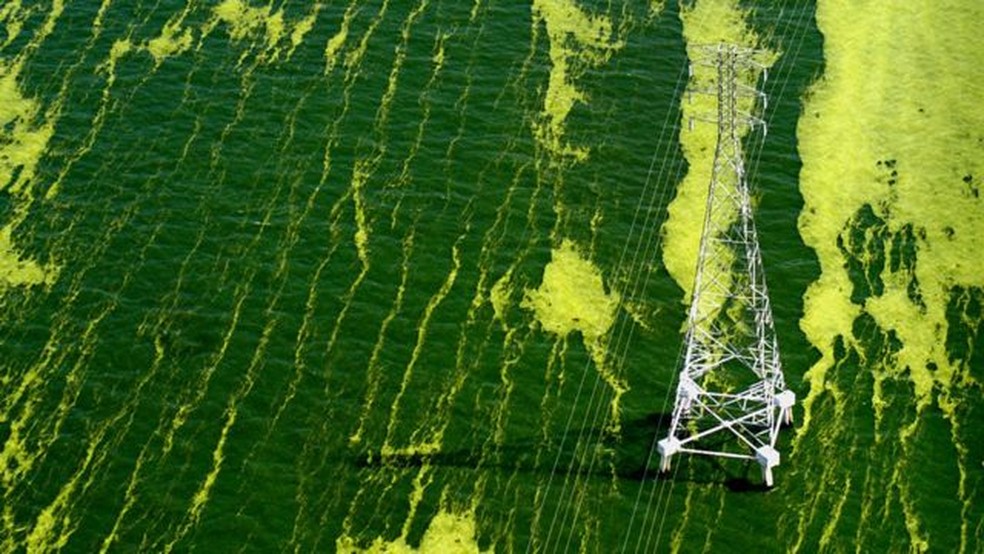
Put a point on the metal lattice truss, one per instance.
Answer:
(731, 384)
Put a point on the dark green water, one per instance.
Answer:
(256, 254)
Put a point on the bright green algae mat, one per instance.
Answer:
(397, 276)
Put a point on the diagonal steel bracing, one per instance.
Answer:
(731, 397)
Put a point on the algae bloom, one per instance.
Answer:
(572, 297)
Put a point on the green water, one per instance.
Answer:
(269, 275)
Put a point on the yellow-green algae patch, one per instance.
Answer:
(891, 141)
(24, 140)
(656, 7)
(577, 40)
(302, 28)
(448, 533)
(884, 130)
(572, 297)
(16, 270)
(500, 295)
(24, 135)
(244, 20)
(337, 41)
(172, 41)
(706, 22)
(13, 16)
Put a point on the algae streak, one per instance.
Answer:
(447, 533)
(572, 297)
(577, 40)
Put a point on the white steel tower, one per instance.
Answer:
(731, 397)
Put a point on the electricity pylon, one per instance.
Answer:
(731, 384)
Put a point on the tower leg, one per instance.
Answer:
(767, 476)
(768, 458)
(784, 401)
(667, 447)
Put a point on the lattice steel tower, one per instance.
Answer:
(731, 384)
